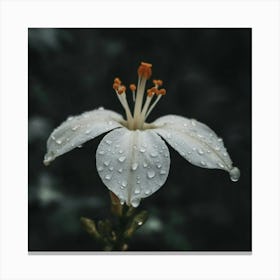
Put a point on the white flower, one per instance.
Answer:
(132, 159)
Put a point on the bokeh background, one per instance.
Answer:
(207, 74)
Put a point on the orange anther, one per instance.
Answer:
(157, 83)
(121, 90)
(132, 87)
(145, 70)
(154, 89)
(162, 91)
(117, 81)
(150, 92)
(116, 86)
(146, 64)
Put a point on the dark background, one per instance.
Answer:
(207, 75)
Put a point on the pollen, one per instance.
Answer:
(117, 81)
(157, 83)
(132, 87)
(116, 86)
(149, 92)
(145, 70)
(121, 90)
(161, 91)
(152, 91)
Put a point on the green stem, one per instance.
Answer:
(114, 234)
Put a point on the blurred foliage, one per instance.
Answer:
(207, 74)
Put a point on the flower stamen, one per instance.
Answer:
(120, 91)
(141, 111)
(145, 70)
(144, 73)
(159, 94)
(133, 89)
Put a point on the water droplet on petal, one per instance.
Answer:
(88, 131)
(101, 108)
(145, 164)
(52, 137)
(234, 174)
(74, 128)
(225, 154)
(220, 165)
(80, 146)
(142, 150)
(203, 163)
(162, 172)
(137, 191)
(134, 166)
(70, 118)
(122, 201)
(120, 170)
(107, 162)
(151, 174)
(111, 168)
(166, 155)
(108, 177)
(122, 159)
(193, 122)
(185, 124)
(147, 192)
(158, 166)
(220, 140)
(121, 151)
(124, 183)
(109, 142)
(200, 152)
(140, 223)
(217, 148)
(154, 154)
(101, 152)
(100, 168)
(110, 122)
(135, 202)
(58, 141)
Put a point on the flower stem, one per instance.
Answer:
(114, 234)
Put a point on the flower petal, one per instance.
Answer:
(79, 129)
(195, 141)
(132, 164)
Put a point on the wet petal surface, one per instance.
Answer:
(133, 164)
(196, 142)
(79, 129)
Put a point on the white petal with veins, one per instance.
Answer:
(194, 141)
(133, 164)
(79, 129)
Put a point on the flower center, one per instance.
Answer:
(141, 111)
